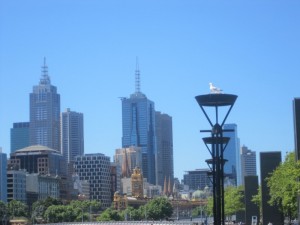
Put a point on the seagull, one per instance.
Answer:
(214, 90)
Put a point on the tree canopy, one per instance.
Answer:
(284, 185)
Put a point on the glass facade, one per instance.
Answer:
(232, 168)
(138, 127)
(72, 140)
(19, 136)
(45, 113)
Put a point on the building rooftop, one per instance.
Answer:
(36, 148)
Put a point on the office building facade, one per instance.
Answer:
(19, 136)
(16, 185)
(232, 168)
(95, 168)
(72, 137)
(197, 179)
(164, 156)
(44, 126)
(3, 176)
(138, 128)
(248, 163)
(127, 159)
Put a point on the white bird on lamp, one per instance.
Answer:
(214, 90)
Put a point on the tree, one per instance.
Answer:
(3, 210)
(131, 213)
(110, 214)
(159, 208)
(17, 209)
(233, 200)
(284, 186)
(39, 207)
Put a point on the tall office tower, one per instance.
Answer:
(72, 140)
(248, 163)
(164, 140)
(3, 176)
(138, 127)
(127, 159)
(232, 168)
(95, 168)
(251, 189)
(296, 112)
(197, 179)
(45, 113)
(269, 161)
(19, 136)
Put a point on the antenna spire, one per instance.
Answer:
(45, 79)
(137, 77)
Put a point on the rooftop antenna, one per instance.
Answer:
(45, 79)
(44, 68)
(137, 77)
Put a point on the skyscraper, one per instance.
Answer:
(232, 168)
(248, 163)
(72, 139)
(45, 113)
(19, 136)
(138, 127)
(3, 176)
(164, 138)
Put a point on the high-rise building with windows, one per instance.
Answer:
(44, 126)
(128, 159)
(96, 169)
(3, 176)
(19, 136)
(232, 167)
(248, 163)
(138, 128)
(72, 139)
(197, 179)
(164, 140)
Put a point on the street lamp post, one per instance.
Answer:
(218, 144)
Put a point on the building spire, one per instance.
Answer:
(137, 77)
(45, 79)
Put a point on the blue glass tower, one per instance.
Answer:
(3, 176)
(19, 136)
(45, 113)
(138, 127)
(232, 168)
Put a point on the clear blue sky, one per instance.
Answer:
(248, 48)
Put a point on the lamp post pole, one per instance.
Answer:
(218, 144)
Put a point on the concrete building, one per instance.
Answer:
(95, 168)
(248, 163)
(16, 185)
(19, 136)
(44, 128)
(197, 179)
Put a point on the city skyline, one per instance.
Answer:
(250, 49)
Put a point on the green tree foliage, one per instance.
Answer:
(39, 207)
(17, 209)
(110, 214)
(199, 211)
(209, 207)
(233, 199)
(159, 208)
(284, 186)
(132, 214)
(3, 210)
